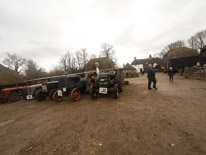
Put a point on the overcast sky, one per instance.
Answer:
(43, 30)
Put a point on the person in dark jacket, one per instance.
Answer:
(151, 77)
(171, 74)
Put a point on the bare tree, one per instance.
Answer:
(14, 62)
(192, 42)
(108, 51)
(56, 70)
(33, 70)
(176, 44)
(63, 62)
(68, 62)
(79, 59)
(198, 41)
(84, 56)
(73, 64)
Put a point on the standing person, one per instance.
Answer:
(151, 77)
(171, 74)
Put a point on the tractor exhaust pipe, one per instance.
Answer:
(97, 68)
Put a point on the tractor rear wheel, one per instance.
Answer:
(75, 94)
(40, 95)
(116, 91)
(3, 101)
(93, 92)
(56, 97)
(51, 93)
(14, 97)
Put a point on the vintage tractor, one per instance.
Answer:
(48, 89)
(105, 82)
(12, 94)
(69, 84)
(31, 92)
(40, 91)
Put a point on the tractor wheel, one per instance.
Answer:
(40, 95)
(116, 91)
(3, 101)
(51, 93)
(120, 86)
(75, 94)
(56, 97)
(118, 81)
(93, 92)
(24, 95)
(14, 97)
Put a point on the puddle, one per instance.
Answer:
(5, 122)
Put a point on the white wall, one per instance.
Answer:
(138, 67)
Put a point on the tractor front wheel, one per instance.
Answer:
(25, 95)
(40, 95)
(93, 92)
(75, 94)
(51, 93)
(116, 91)
(14, 97)
(56, 97)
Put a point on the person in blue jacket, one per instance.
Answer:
(151, 77)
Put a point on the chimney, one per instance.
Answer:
(134, 58)
(150, 56)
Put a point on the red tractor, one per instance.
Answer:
(12, 94)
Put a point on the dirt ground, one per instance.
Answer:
(170, 120)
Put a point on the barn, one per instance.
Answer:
(178, 58)
(105, 64)
(8, 76)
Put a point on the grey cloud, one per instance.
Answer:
(39, 29)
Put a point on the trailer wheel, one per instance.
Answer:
(40, 95)
(93, 92)
(116, 91)
(51, 93)
(56, 97)
(75, 94)
(14, 97)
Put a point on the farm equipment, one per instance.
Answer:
(12, 94)
(105, 82)
(40, 91)
(31, 92)
(48, 89)
(72, 84)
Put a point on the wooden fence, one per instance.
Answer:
(195, 72)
